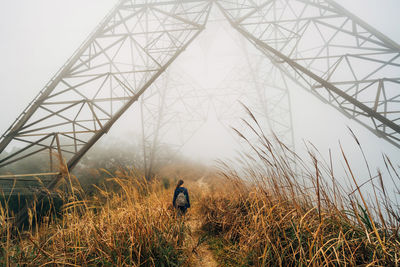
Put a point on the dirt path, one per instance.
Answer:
(202, 255)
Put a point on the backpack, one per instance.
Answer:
(181, 200)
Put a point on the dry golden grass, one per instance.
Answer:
(270, 231)
(130, 225)
(270, 215)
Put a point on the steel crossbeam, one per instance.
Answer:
(329, 52)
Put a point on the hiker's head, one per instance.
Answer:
(180, 182)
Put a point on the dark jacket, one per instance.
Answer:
(185, 192)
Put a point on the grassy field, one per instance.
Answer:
(268, 209)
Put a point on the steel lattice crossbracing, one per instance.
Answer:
(272, 97)
(331, 53)
(262, 88)
(165, 127)
(318, 44)
(122, 58)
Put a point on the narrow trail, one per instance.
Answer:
(202, 255)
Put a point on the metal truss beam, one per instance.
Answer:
(329, 52)
(130, 49)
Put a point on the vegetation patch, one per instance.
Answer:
(130, 226)
(228, 253)
(268, 214)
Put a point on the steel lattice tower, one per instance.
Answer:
(161, 116)
(318, 44)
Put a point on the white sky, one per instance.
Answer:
(37, 37)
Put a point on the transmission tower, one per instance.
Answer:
(316, 43)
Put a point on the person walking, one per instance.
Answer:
(181, 198)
